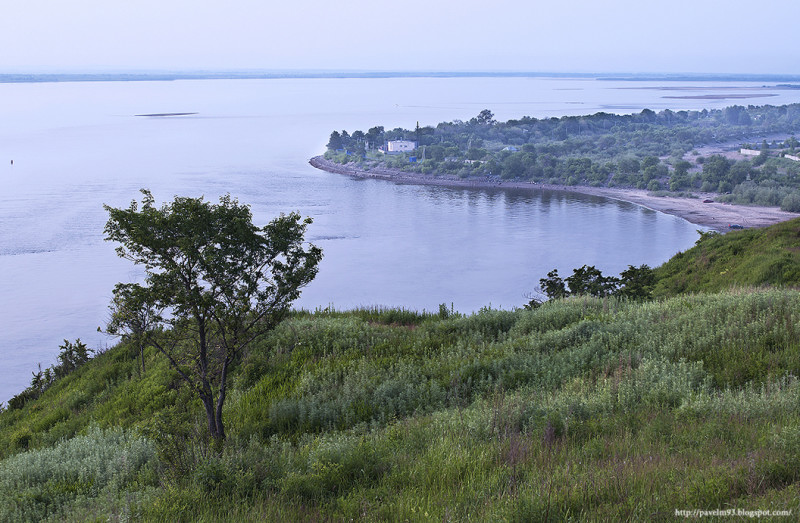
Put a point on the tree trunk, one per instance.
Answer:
(208, 403)
(221, 399)
(215, 428)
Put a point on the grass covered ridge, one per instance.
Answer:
(769, 256)
(583, 408)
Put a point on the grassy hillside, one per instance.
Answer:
(582, 408)
(769, 256)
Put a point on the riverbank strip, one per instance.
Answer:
(717, 216)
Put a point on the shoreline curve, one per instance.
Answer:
(715, 215)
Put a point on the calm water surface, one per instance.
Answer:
(77, 146)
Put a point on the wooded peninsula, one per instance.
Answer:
(744, 155)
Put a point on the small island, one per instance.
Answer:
(693, 164)
(162, 115)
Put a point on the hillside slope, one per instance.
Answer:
(583, 408)
(769, 256)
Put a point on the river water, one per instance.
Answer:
(77, 146)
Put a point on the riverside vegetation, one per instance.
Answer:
(648, 150)
(583, 407)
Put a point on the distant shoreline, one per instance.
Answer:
(161, 76)
(717, 216)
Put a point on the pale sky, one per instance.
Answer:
(700, 36)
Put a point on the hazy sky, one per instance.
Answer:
(733, 36)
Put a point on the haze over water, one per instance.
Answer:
(77, 146)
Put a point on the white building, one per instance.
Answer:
(400, 146)
(749, 152)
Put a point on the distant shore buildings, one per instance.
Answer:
(754, 152)
(398, 146)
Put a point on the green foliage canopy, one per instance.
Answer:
(634, 283)
(215, 283)
(647, 150)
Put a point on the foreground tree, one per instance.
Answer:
(215, 284)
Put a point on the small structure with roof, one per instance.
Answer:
(398, 146)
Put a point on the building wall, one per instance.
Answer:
(398, 146)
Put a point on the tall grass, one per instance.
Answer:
(583, 408)
(97, 467)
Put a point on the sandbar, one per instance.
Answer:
(162, 115)
(720, 96)
(715, 215)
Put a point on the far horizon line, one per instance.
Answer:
(232, 74)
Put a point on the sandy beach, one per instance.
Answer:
(717, 216)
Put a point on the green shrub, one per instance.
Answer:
(767, 401)
(791, 202)
(660, 384)
(42, 483)
(334, 466)
(556, 315)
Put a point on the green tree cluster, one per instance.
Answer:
(70, 358)
(646, 150)
(634, 283)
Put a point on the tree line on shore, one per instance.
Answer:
(646, 150)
